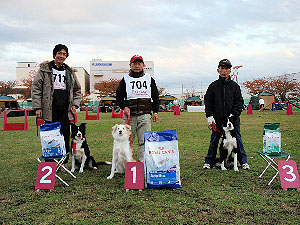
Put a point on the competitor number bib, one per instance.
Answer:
(138, 87)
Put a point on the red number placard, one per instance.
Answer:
(134, 175)
(45, 178)
(289, 175)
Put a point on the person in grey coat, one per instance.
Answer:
(56, 92)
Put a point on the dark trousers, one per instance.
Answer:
(213, 147)
(62, 117)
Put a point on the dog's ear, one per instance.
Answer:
(83, 125)
(128, 127)
(114, 128)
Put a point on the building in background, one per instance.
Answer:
(291, 76)
(25, 70)
(84, 79)
(105, 70)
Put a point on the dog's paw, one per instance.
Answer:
(72, 170)
(236, 169)
(80, 171)
(111, 176)
(223, 168)
(95, 168)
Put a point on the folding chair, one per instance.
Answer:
(271, 161)
(272, 151)
(59, 161)
(53, 145)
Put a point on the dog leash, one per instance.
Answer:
(37, 126)
(127, 122)
(213, 127)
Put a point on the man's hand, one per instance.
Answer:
(73, 109)
(155, 117)
(39, 113)
(210, 120)
(126, 112)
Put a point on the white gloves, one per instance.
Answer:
(210, 120)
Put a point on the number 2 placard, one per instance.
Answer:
(134, 175)
(45, 178)
(289, 175)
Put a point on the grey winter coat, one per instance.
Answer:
(42, 90)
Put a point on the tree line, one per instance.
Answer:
(282, 87)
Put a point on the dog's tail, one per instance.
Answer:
(103, 163)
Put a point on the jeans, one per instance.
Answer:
(139, 124)
(213, 147)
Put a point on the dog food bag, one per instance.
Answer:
(161, 161)
(53, 143)
(272, 139)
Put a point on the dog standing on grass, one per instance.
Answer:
(81, 155)
(122, 150)
(228, 145)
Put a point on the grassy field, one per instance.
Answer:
(206, 197)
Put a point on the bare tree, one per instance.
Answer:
(7, 87)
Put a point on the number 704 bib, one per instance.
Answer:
(138, 87)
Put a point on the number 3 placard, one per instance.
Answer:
(289, 175)
(134, 175)
(45, 178)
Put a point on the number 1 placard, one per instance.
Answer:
(289, 175)
(45, 178)
(134, 175)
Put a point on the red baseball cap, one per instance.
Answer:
(136, 57)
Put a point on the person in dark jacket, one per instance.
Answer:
(137, 95)
(56, 92)
(223, 99)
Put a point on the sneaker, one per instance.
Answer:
(245, 166)
(206, 166)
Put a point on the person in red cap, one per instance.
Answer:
(138, 96)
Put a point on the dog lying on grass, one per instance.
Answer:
(81, 155)
(122, 150)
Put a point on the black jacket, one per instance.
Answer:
(222, 98)
(138, 106)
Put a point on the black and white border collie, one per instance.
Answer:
(228, 145)
(81, 155)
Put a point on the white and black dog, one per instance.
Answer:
(229, 145)
(81, 155)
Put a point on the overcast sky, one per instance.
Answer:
(185, 39)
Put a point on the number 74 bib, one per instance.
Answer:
(138, 87)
